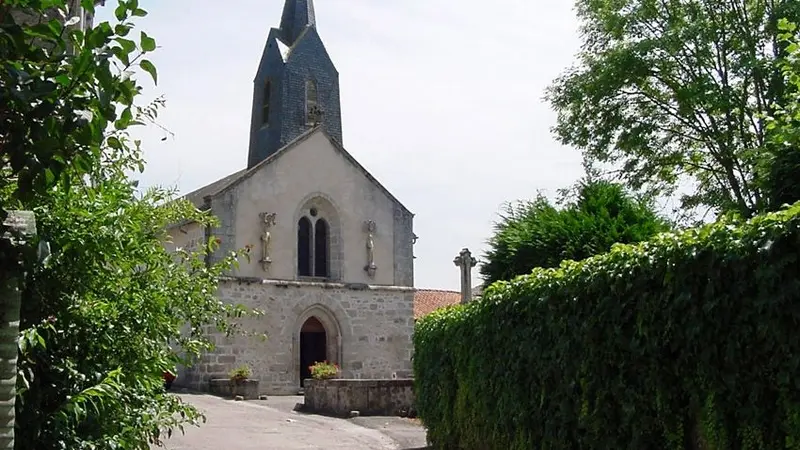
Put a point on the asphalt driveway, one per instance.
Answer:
(248, 425)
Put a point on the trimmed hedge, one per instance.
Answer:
(689, 340)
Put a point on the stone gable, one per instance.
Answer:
(334, 180)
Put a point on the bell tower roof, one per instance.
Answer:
(297, 15)
(296, 86)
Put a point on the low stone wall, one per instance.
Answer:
(368, 397)
(224, 387)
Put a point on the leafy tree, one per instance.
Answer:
(538, 234)
(106, 313)
(61, 89)
(101, 320)
(675, 91)
(782, 183)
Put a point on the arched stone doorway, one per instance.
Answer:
(317, 337)
(313, 346)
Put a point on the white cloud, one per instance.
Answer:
(441, 101)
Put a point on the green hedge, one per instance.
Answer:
(688, 338)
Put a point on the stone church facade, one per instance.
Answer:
(331, 248)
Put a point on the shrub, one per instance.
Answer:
(323, 370)
(685, 341)
(537, 234)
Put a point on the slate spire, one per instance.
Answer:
(297, 15)
(296, 87)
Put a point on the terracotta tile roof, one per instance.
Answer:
(427, 301)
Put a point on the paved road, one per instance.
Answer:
(249, 426)
(409, 434)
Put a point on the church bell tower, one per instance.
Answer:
(296, 86)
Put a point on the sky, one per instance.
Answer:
(442, 101)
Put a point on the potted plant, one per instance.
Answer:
(238, 376)
(323, 370)
(169, 377)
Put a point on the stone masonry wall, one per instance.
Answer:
(368, 328)
(368, 397)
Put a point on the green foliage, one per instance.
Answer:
(686, 341)
(669, 92)
(537, 234)
(61, 89)
(106, 313)
(782, 184)
(102, 318)
(240, 373)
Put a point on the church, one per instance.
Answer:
(332, 262)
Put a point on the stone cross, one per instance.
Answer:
(19, 227)
(466, 262)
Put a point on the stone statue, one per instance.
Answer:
(268, 220)
(371, 268)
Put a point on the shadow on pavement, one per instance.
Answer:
(408, 433)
